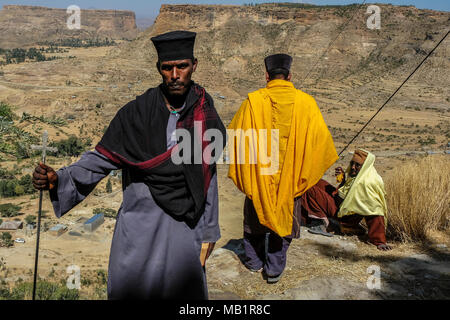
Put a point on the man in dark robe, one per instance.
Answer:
(360, 196)
(169, 215)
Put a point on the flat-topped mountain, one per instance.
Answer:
(348, 68)
(27, 25)
(335, 53)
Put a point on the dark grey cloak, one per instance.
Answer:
(153, 256)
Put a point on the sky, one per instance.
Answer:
(150, 9)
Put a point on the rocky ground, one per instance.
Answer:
(317, 267)
(335, 268)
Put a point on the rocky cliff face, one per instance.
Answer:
(27, 25)
(331, 45)
(348, 68)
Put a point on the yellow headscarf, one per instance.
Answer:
(364, 194)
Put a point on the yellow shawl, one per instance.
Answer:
(364, 194)
(306, 150)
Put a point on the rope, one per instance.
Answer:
(378, 111)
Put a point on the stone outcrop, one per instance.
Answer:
(233, 40)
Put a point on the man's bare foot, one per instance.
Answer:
(384, 247)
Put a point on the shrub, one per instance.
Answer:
(6, 112)
(108, 212)
(427, 141)
(6, 236)
(72, 146)
(109, 186)
(102, 277)
(44, 291)
(100, 293)
(11, 186)
(29, 219)
(418, 198)
(4, 293)
(86, 282)
(19, 190)
(27, 183)
(7, 189)
(22, 150)
(5, 174)
(9, 210)
(6, 240)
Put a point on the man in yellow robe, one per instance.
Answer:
(279, 147)
(361, 195)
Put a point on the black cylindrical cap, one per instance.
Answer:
(278, 61)
(175, 45)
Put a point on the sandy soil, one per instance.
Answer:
(315, 264)
(317, 268)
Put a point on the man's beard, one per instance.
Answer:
(176, 99)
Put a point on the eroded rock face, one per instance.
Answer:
(234, 40)
(26, 25)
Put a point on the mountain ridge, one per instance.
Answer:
(27, 25)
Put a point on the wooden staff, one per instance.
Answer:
(44, 149)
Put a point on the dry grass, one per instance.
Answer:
(418, 196)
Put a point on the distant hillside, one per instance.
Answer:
(358, 69)
(144, 23)
(26, 25)
(233, 40)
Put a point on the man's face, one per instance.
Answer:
(354, 168)
(177, 75)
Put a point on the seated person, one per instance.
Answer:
(360, 195)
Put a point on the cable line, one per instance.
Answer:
(367, 123)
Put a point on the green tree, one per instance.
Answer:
(30, 219)
(7, 188)
(6, 240)
(9, 210)
(27, 183)
(72, 146)
(6, 236)
(109, 186)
